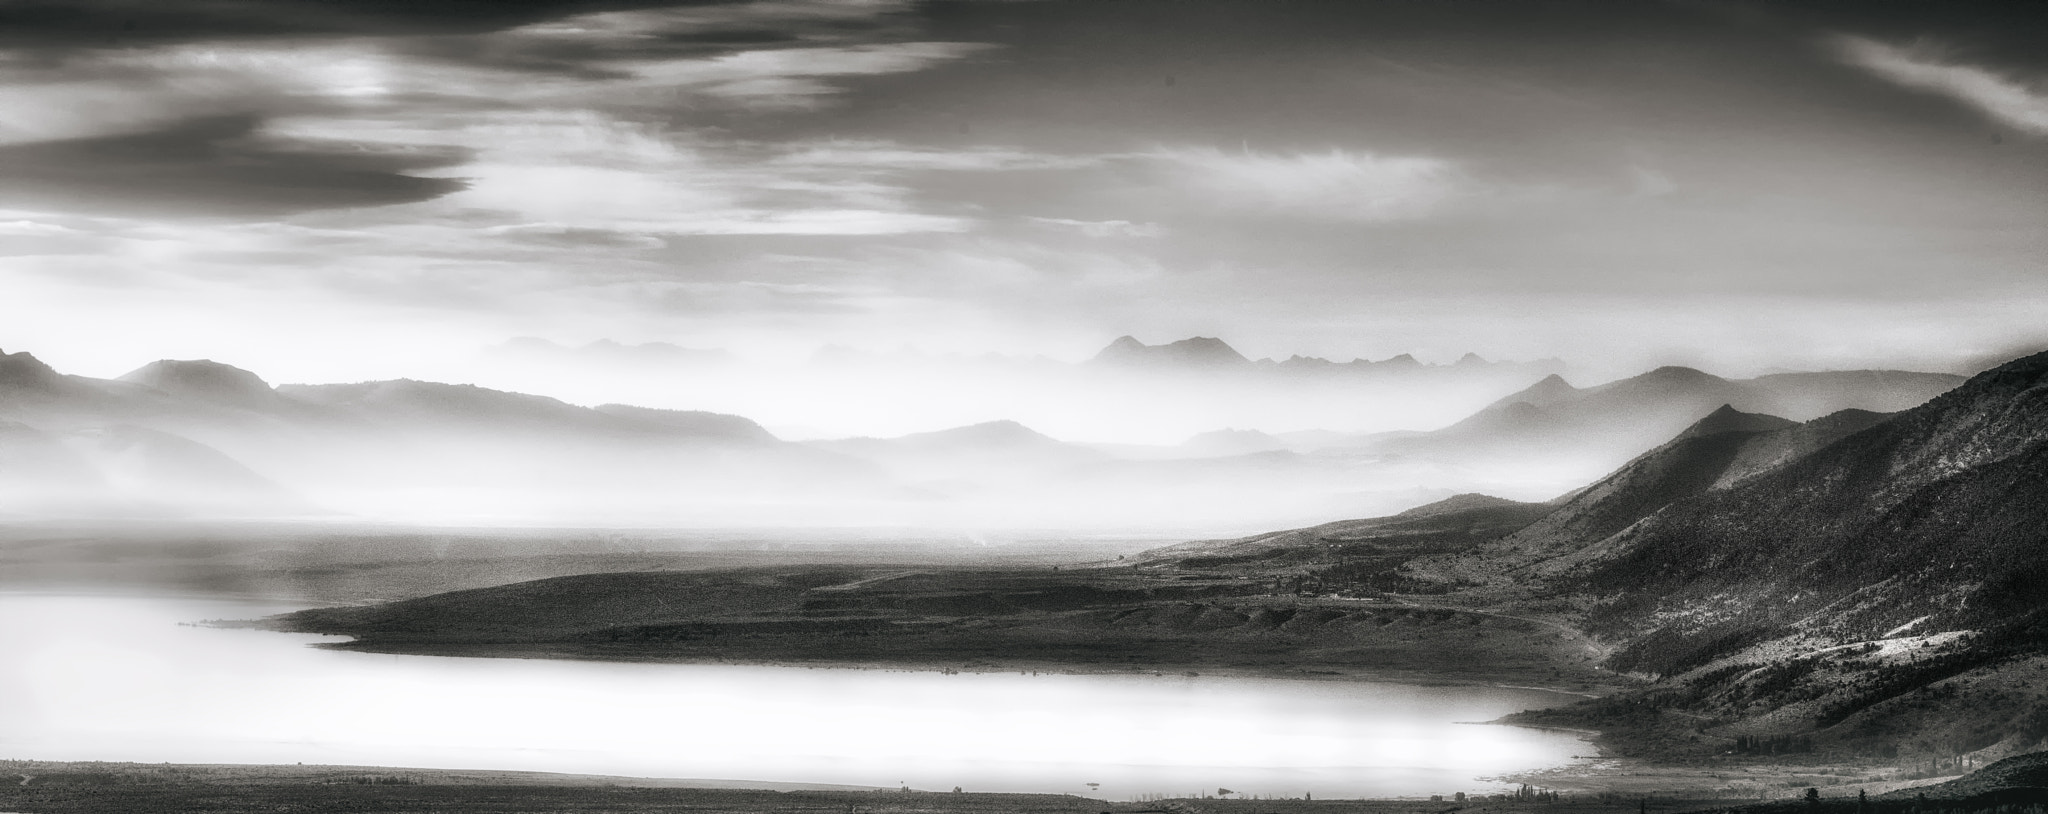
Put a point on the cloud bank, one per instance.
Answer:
(2008, 100)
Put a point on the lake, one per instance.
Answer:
(128, 678)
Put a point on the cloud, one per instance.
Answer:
(2005, 99)
(23, 238)
(1335, 185)
(64, 24)
(612, 119)
(824, 222)
(885, 155)
(31, 228)
(221, 165)
(1104, 228)
(590, 170)
(788, 78)
(573, 237)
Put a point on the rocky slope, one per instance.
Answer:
(1884, 593)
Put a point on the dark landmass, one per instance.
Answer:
(1099, 619)
(335, 563)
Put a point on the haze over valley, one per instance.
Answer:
(1049, 406)
(206, 440)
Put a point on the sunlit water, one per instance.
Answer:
(118, 678)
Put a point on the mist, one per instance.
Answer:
(1186, 438)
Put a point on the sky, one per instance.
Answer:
(333, 190)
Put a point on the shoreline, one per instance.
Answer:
(525, 651)
(93, 786)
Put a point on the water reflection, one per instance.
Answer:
(117, 678)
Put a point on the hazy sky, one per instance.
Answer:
(339, 189)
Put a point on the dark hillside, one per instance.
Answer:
(1942, 511)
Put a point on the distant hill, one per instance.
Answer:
(1600, 427)
(987, 435)
(970, 459)
(38, 472)
(149, 468)
(1715, 450)
(1232, 442)
(1194, 353)
(1212, 355)
(203, 438)
(26, 383)
(695, 423)
(204, 379)
(1360, 553)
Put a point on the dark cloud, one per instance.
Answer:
(582, 58)
(469, 32)
(1093, 162)
(2012, 33)
(42, 24)
(216, 166)
(570, 237)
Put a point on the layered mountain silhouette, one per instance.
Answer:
(1195, 352)
(971, 459)
(1860, 582)
(403, 448)
(206, 380)
(1232, 441)
(1725, 447)
(1756, 499)
(1935, 517)
(1855, 578)
(1207, 354)
(1594, 429)
(202, 438)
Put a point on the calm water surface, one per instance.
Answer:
(119, 678)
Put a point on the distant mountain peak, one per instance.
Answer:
(999, 432)
(21, 372)
(1546, 391)
(1194, 351)
(1229, 432)
(1459, 503)
(696, 422)
(1677, 373)
(1727, 419)
(201, 378)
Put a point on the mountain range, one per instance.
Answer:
(202, 438)
(1577, 433)
(191, 437)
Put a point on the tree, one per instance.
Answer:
(1813, 798)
